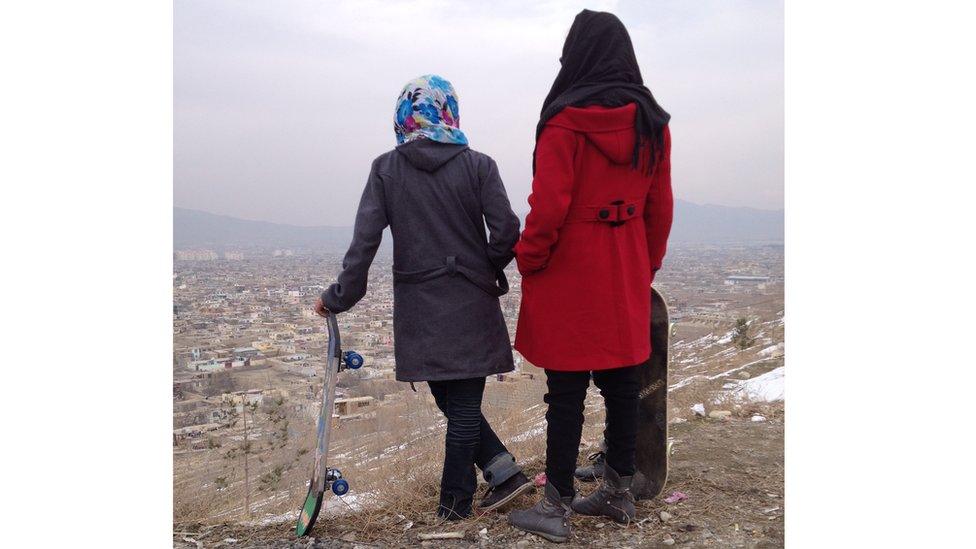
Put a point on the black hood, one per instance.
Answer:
(429, 155)
(598, 67)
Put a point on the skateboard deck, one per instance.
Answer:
(324, 477)
(652, 434)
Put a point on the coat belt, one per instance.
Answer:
(494, 288)
(616, 213)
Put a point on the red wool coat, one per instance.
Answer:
(596, 232)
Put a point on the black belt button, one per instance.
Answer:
(604, 214)
(630, 210)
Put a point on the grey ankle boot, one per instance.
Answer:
(593, 471)
(549, 518)
(612, 500)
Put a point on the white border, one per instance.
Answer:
(878, 266)
(87, 231)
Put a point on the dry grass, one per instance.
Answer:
(732, 472)
(391, 459)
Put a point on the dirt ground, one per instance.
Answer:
(731, 471)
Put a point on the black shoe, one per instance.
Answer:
(497, 496)
(594, 471)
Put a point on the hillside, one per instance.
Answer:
(731, 469)
(693, 224)
(197, 229)
(708, 224)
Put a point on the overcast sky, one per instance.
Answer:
(280, 106)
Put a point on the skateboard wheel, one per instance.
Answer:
(353, 359)
(340, 487)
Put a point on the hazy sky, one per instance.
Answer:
(280, 106)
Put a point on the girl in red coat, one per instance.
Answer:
(601, 210)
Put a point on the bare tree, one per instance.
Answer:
(246, 450)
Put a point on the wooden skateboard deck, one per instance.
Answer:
(324, 477)
(652, 435)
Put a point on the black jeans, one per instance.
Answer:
(470, 441)
(620, 388)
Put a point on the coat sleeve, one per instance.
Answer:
(552, 192)
(659, 208)
(503, 224)
(371, 219)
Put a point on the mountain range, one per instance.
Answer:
(693, 224)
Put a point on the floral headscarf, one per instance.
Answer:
(428, 109)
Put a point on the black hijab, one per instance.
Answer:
(599, 68)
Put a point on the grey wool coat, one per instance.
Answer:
(447, 270)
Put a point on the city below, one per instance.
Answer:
(249, 353)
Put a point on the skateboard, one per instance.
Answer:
(652, 434)
(324, 477)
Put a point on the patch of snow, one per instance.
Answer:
(395, 448)
(702, 341)
(698, 409)
(771, 349)
(528, 434)
(683, 382)
(758, 417)
(726, 339)
(370, 373)
(349, 503)
(768, 387)
(736, 369)
(275, 519)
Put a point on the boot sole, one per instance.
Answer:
(515, 493)
(602, 515)
(550, 537)
(608, 517)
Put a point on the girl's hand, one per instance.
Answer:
(320, 308)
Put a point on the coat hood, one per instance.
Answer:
(609, 129)
(429, 155)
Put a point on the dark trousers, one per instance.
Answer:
(470, 441)
(620, 388)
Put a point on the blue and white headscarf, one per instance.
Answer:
(428, 109)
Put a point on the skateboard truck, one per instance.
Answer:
(337, 484)
(351, 359)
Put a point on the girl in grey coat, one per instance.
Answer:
(437, 195)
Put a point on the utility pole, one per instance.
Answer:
(247, 487)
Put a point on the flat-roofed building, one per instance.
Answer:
(348, 408)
